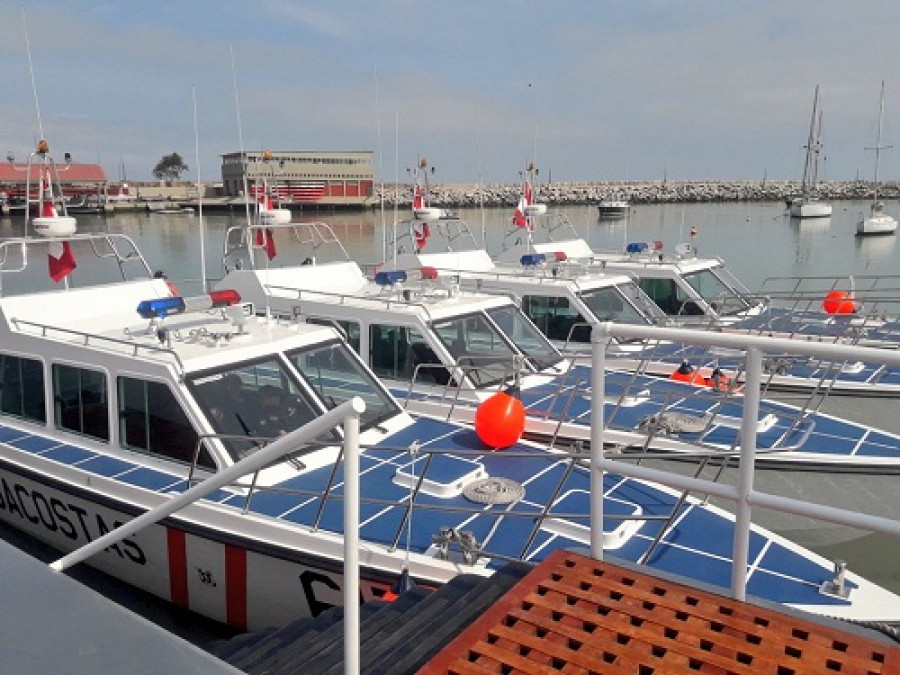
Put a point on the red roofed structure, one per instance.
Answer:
(74, 178)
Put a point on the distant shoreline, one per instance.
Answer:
(457, 196)
(650, 192)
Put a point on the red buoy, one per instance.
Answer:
(687, 373)
(839, 302)
(500, 419)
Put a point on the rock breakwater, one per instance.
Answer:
(659, 192)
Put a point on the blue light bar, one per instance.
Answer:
(390, 278)
(636, 247)
(160, 307)
(532, 259)
(163, 307)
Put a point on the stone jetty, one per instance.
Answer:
(658, 192)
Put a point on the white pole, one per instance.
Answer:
(351, 543)
(749, 422)
(254, 462)
(598, 387)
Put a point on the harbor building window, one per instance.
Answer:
(81, 401)
(151, 421)
(22, 388)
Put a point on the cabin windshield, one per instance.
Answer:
(617, 303)
(252, 402)
(724, 299)
(525, 335)
(478, 347)
(337, 375)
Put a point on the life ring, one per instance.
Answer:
(421, 232)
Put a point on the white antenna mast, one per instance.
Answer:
(380, 167)
(199, 195)
(397, 180)
(237, 112)
(37, 106)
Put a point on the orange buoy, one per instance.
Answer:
(687, 373)
(717, 380)
(839, 302)
(500, 419)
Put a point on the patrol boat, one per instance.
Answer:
(444, 350)
(682, 289)
(120, 396)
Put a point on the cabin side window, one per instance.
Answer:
(152, 421)
(555, 318)
(670, 298)
(349, 330)
(22, 388)
(81, 401)
(388, 347)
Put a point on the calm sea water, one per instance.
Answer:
(757, 241)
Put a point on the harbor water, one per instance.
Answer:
(757, 241)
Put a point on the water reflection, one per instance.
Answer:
(872, 249)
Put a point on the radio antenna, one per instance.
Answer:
(37, 106)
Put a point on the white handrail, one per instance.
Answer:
(259, 459)
(743, 494)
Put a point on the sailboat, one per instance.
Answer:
(807, 203)
(877, 222)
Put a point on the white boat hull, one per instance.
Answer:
(221, 572)
(810, 209)
(875, 225)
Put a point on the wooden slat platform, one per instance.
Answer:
(573, 614)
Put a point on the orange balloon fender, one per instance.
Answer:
(500, 420)
(839, 302)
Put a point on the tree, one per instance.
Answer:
(170, 167)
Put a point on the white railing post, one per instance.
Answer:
(742, 521)
(351, 540)
(259, 459)
(599, 339)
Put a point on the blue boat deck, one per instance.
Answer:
(695, 541)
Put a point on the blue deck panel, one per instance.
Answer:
(34, 444)
(879, 444)
(106, 466)
(149, 479)
(8, 434)
(68, 454)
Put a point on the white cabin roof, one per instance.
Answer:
(342, 285)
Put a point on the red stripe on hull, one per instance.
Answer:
(178, 582)
(236, 585)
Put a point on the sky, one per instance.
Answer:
(588, 90)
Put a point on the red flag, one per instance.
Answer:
(61, 260)
(418, 199)
(519, 216)
(267, 240)
(693, 232)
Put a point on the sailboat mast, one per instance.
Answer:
(878, 146)
(812, 148)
